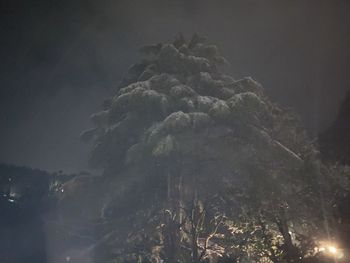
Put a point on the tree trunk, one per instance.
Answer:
(171, 231)
(291, 252)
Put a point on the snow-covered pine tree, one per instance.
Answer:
(200, 167)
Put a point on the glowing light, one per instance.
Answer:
(332, 249)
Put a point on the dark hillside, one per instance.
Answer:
(25, 199)
(335, 141)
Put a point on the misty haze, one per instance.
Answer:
(175, 131)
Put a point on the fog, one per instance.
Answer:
(61, 59)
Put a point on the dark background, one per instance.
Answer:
(59, 59)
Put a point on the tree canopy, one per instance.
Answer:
(201, 167)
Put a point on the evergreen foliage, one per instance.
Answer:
(200, 167)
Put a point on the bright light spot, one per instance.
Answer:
(11, 200)
(62, 190)
(68, 258)
(332, 249)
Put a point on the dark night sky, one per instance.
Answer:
(59, 59)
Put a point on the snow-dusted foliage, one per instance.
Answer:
(200, 167)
